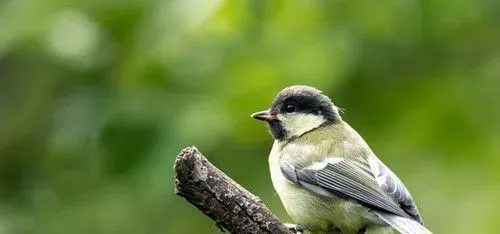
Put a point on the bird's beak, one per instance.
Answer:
(263, 115)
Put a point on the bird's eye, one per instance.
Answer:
(290, 108)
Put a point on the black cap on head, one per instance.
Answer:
(297, 110)
(305, 99)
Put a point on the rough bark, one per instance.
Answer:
(231, 206)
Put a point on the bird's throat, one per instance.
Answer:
(277, 130)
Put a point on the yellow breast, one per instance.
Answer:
(308, 209)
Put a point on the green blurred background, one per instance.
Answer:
(97, 97)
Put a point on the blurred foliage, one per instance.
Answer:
(97, 97)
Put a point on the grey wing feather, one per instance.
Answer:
(345, 180)
(393, 186)
(403, 225)
(306, 181)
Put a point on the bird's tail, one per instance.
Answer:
(402, 224)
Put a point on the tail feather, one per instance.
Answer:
(402, 224)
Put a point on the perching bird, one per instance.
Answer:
(327, 177)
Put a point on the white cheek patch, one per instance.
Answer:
(297, 124)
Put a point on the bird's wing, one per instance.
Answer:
(403, 225)
(346, 178)
(393, 186)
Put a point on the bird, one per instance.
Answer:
(326, 175)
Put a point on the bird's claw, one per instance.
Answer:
(297, 228)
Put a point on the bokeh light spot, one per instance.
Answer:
(72, 35)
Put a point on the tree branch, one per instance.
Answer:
(231, 206)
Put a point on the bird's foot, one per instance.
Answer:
(297, 228)
(362, 230)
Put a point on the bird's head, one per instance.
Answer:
(297, 110)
